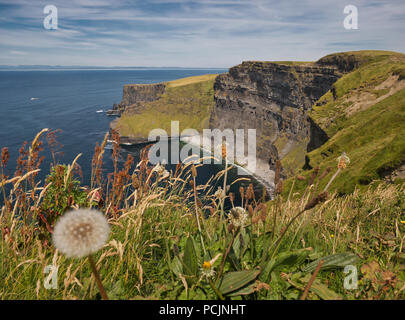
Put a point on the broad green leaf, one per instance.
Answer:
(176, 266)
(190, 258)
(321, 290)
(284, 260)
(338, 260)
(250, 288)
(233, 281)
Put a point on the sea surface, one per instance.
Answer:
(69, 100)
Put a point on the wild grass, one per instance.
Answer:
(191, 80)
(172, 239)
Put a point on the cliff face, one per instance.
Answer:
(273, 99)
(137, 93)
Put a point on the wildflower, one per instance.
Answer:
(79, 233)
(250, 193)
(242, 192)
(223, 149)
(239, 217)
(343, 161)
(207, 273)
(231, 197)
(207, 270)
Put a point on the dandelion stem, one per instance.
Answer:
(219, 294)
(331, 179)
(224, 195)
(197, 215)
(97, 277)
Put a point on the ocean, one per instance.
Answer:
(69, 100)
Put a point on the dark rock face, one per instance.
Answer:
(342, 62)
(317, 136)
(137, 93)
(142, 93)
(271, 98)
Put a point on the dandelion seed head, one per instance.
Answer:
(239, 217)
(79, 233)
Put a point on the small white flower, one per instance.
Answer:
(207, 270)
(207, 273)
(79, 233)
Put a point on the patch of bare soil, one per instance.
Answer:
(365, 99)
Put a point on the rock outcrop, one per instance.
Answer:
(272, 98)
(134, 94)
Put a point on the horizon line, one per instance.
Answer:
(103, 67)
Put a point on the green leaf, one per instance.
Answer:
(321, 290)
(262, 243)
(338, 260)
(233, 257)
(176, 266)
(233, 281)
(284, 260)
(250, 288)
(190, 258)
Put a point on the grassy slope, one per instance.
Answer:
(372, 136)
(187, 100)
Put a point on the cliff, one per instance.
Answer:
(272, 98)
(137, 93)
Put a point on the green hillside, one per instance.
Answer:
(364, 118)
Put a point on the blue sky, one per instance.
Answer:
(192, 33)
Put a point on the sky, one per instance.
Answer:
(192, 33)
